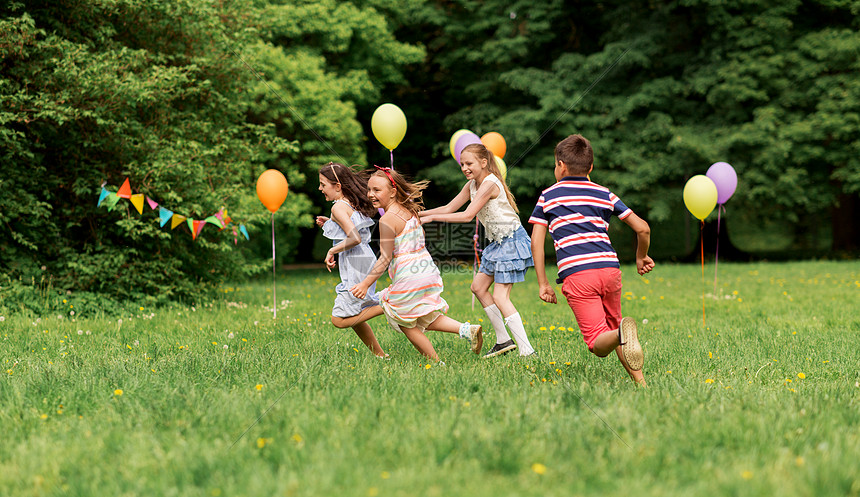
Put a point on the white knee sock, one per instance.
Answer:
(515, 323)
(498, 323)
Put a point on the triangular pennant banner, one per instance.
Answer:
(199, 226)
(244, 231)
(214, 220)
(124, 190)
(137, 202)
(102, 196)
(192, 225)
(165, 215)
(152, 203)
(176, 220)
(111, 200)
(235, 237)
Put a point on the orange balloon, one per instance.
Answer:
(272, 189)
(496, 143)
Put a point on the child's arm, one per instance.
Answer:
(386, 253)
(485, 192)
(452, 206)
(545, 291)
(341, 215)
(644, 264)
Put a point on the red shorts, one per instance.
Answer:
(594, 295)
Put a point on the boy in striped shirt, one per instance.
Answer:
(576, 212)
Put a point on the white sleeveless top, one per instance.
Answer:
(498, 217)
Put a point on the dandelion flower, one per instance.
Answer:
(747, 475)
(709, 380)
(542, 328)
(385, 475)
(44, 416)
(427, 366)
(117, 392)
(801, 375)
(261, 442)
(259, 387)
(538, 468)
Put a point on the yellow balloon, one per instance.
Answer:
(503, 168)
(389, 125)
(700, 196)
(456, 136)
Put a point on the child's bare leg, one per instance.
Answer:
(366, 314)
(446, 324)
(365, 332)
(605, 343)
(636, 376)
(421, 342)
(481, 288)
(359, 324)
(502, 298)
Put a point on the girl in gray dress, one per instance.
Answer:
(349, 228)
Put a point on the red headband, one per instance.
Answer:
(385, 170)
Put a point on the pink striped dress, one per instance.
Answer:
(414, 298)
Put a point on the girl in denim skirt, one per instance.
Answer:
(505, 260)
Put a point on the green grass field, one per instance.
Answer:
(220, 399)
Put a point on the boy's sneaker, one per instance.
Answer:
(630, 347)
(500, 349)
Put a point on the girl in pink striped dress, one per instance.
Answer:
(413, 303)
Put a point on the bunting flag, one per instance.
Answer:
(137, 202)
(124, 190)
(176, 220)
(111, 200)
(102, 196)
(214, 220)
(220, 219)
(165, 215)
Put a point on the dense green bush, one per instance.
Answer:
(155, 92)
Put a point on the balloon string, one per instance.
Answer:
(392, 158)
(717, 254)
(477, 262)
(702, 245)
(274, 298)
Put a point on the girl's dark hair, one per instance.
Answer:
(482, 152)
(353, 185)
(406, 193)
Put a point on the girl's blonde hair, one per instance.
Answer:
(483, 153)
(406, 193)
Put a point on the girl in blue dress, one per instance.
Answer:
(505, 260)
(349, 229)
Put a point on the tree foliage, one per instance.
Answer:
(664, 89)
(99, 91)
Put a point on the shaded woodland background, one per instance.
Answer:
(192, 101)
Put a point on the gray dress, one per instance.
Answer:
(354, 265)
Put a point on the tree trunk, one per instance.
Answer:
(845, 220)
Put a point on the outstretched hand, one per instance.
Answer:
(547, 294)
(330, 262)
(359, 290)
(321, 220)
(644, 265)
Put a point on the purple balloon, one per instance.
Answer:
(723, 175)
(463, 141)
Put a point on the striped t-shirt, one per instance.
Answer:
(576, 212)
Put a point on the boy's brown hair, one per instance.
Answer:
(576, 153)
